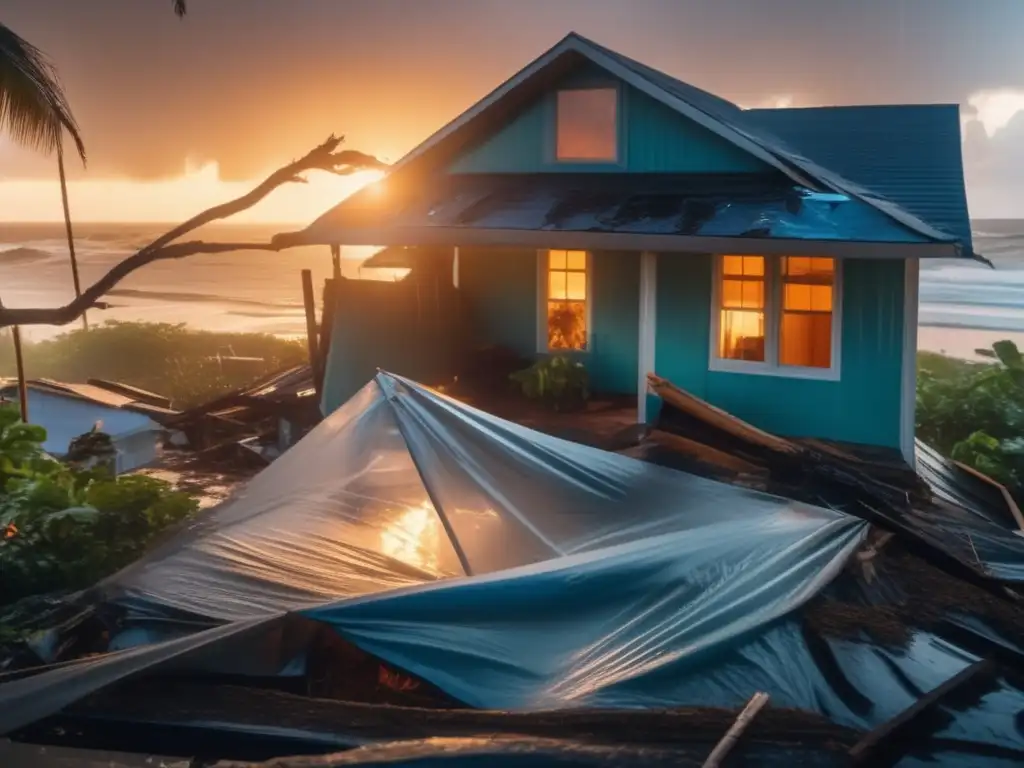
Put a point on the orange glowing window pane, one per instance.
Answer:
(818, 267)
(805, 330)
(732, 265)
(576, 260)
(806, 339)
(557, 285)
(556, 259)
(567, 325)
(747, 266)
(732, 293)
(576, 286)
(742, 335)
(587, 122)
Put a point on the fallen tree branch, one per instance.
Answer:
(324, 157)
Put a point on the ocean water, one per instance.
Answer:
(963, 305)
(245, 290)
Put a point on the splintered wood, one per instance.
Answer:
(716, 417)
(722, 749)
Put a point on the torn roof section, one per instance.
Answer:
(891, 205)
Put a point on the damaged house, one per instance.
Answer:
(765, 260)
(419, 578)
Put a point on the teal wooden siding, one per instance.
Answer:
(615, 317)
(500, 287)
(652, 139)
(500, 290)
(863, 407)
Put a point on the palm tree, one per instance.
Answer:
(34, 112)
(33, 108)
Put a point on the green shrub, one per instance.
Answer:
(63, 528)
(974, 412)
(183, 364)
(559, 381)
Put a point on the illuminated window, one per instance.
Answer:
(805, 335)
(777, 314)
(565, 278)
(742, 308)
(587, 125)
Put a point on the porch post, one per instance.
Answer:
(648, 328)
(908, 399)
(455, 267)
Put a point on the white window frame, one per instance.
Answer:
(773, 322)
(542, 304)
(616, 158)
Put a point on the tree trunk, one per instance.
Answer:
(67, 227)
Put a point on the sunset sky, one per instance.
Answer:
(178, 115)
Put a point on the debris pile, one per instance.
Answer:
(417, 569)
(254, 423)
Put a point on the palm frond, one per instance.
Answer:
(33, 108)
(179, 8)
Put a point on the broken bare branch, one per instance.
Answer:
(324, 157)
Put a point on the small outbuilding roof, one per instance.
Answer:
(99, 392)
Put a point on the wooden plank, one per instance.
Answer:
(728, 741)
(1007, 496)
(331, 288)
(875, 742)
(312, 342)
(705, 453)
(716, 417)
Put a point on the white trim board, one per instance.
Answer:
(773, 314)
(908, 394)
(431, 235)
(648, 329)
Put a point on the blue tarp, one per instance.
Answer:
(515, 570)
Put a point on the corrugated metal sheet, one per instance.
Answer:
(908, 153)
(952, 484)
(731, 116)
(657, 204)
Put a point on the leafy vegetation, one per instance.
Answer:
(188, 366)
(63, 527)
(973, 412)
(558, 381)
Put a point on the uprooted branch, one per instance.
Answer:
(324, 157)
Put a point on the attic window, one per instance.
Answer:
(587, 125)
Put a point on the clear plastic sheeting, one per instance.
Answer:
(343, 513)
(403, 486)
(604, 627)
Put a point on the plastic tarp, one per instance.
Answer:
(508, 567)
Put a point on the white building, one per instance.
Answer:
(129, 416)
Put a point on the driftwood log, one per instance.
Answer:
(325, 157)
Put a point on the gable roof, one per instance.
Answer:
(715, 114)
(95, 393)
(909, 153)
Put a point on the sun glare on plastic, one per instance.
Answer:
(412, 537)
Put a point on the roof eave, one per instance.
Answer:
(590, 240)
